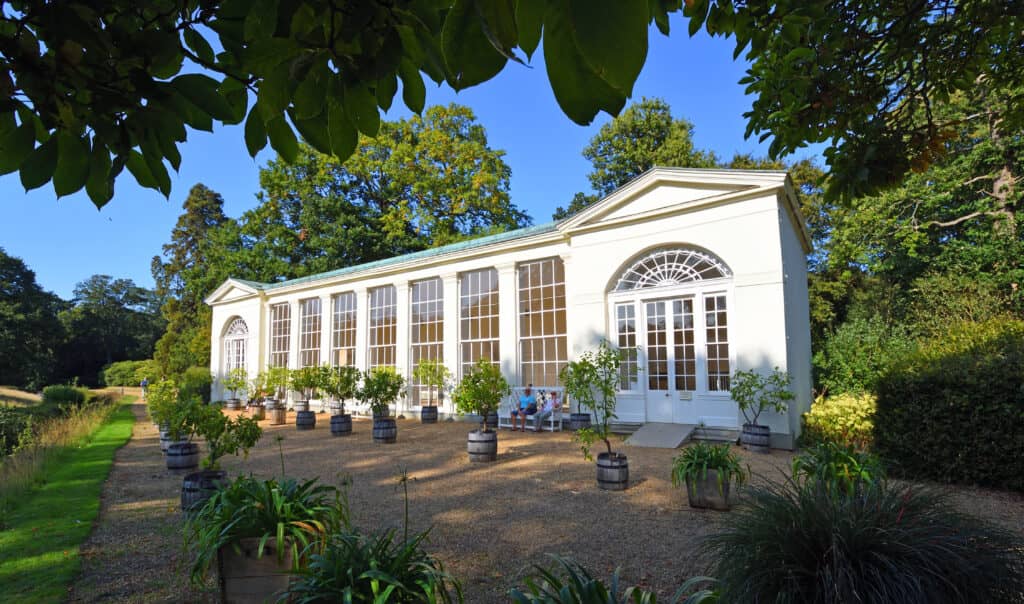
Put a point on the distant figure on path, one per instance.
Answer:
(144, 384)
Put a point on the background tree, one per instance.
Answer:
(193, 264)
(30, 332)
(422, 182)
(109, 320)
(92, 89)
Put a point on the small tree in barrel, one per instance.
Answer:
(381, 387)
(224, 436)
(237, 382)
(593, 380)
(341, 384)
(258, 389)
(433, 374)
(277, 382)
(480, 390)
(305, 381)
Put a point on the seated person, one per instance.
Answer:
(550, 404)
(527, 406)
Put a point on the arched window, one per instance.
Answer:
(235, 338)
(667, 267)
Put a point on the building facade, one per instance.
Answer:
(692, 274)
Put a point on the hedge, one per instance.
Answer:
(129, 373)
(953, 411)
(64, 395)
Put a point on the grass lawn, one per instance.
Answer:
(39, 548)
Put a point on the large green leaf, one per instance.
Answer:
(275, 92)
(201, 91)
(100, 185)
(498, 19)
(38, 167)
(468, 53)
(579, 91)
(255, 133)
(282, 138)
(343, 134)
(385, 90)
(311, 91)
(361, 106)
(137, 165)
(198, 44)
(15, 145)
(261, 22)
(529, 21)
(414, 93)
(611, 36)
(72, 169)
(315, 132)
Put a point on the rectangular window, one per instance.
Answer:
(478, 318)
(234, 353)
(426, 324)
(343, 340)
(625, 319)
(280, 334)
(382, 327)
(657, 346)
(310, 321)
(542, 340)
(717, 342)
(683, 346)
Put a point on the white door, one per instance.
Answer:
(671, 370)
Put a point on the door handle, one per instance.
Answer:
(666, 395)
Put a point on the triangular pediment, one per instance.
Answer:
(662, 190)
(231, 290)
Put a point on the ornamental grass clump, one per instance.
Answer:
(298, 516)
(901, 544)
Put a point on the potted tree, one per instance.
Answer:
(223, 436)
(434, 375)
(258, 392)
(341, 385)
(381, 388)
(277, 384)
(236, 382)
(305, 382)
(593, 380)
(480, 392)
(754, 393)
(162, 404)
(707, 471)
(257, 532)
(578, 378)
(174, 411)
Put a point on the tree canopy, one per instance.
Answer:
(92, 89)
(30, 332)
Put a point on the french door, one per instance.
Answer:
(671, 362)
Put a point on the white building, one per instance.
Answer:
(691, 273)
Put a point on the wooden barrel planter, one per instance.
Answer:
(612, 472)
(385, 430)
(244, 578)
(257, 411)
(428, 414)
(165, 439)
(704, 493)
(232, 404)
(755, 438)
(198, 487)
(305, 420)
(278, 415)
(341, 425)
(491, 420)
(182, 456)
(482, 446)
(301, 406)
(578, 421)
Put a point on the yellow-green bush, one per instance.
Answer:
(846, 419)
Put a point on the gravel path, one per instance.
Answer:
(490, 521)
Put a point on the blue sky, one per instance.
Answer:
(65, 241)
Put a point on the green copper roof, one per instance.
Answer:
(421, 255)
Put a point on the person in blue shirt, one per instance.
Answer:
(527, 406)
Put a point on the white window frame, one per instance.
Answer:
(344, 326)
(390, 303)
(275, 337)
(468, 279)
(520, 338)
(416, 307)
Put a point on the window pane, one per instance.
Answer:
(478, 308)
(542, 339)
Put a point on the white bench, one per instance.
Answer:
(539, 421)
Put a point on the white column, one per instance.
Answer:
(293, 343)
(362, 324)
(402, 338)
(452, 352)
(326, 329)
(507, 321)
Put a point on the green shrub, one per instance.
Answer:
(953, 411)
(845, 419)
(64, 395)
(12, 424)
(129, 373)
(891, 544)
(354, 567)
(196, 381)
(856, 355)
(840, 470)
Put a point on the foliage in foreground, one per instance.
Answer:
(845, 419)
(300, 516)
(953, 411)
(695, 460)
(839, 470)
(571, 583)
(355, 567)
(888, 544)
(53, 513)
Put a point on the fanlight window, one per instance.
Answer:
(671, 267)
(237, 328)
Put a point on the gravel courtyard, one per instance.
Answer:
(490, 522)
